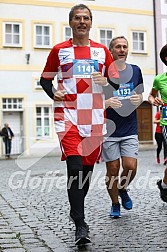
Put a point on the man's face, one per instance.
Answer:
(120, 49)
(81, 23)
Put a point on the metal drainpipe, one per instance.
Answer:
(155, 37)
(155, 41)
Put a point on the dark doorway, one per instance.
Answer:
(144, 117)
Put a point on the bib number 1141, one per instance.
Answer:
(84, 68)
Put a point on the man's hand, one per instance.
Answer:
(154, 99)
(157, 101)
(136, 99)
(113, 102)
(99, 79)
(59, 95)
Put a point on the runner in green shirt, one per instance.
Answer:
(160, 84)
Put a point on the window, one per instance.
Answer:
(138, 41)
(43, 122)
(12, 104)
(67, 33)
(12, 34)
(36, 81)
(43, 34)
(105, 36)
(37, 84)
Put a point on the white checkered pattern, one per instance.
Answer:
(84, 100)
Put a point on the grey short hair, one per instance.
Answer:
(113, 39)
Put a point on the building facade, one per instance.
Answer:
(28, 31)
(160, 31)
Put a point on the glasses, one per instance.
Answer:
(80, 18)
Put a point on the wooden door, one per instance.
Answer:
(144, 118)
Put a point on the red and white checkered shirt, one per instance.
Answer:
(83, 103)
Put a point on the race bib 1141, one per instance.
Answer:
(84, 68)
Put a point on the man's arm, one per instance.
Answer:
(48, 87)
(153, 99)
(56, 95)
(11, 132)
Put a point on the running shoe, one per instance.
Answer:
(81, 236)
(126, 200)
(115, 210)
(163, 192)
(165, 161)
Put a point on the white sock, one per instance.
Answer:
(164, 186)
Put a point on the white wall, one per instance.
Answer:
(16, 77)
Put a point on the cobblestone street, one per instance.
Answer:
(34, 209)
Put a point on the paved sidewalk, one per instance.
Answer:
(34, 209)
